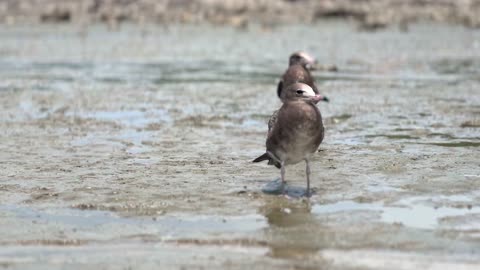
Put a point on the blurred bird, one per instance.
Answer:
(299, 66)
(296, 131)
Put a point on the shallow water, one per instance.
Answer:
(137, 153)
(409, 214)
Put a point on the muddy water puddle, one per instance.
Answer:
(405, 213)
(143, 146)
(99, 226)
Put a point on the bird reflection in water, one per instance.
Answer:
(290, 226)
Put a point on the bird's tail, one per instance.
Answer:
(271, 161)
(262, 158)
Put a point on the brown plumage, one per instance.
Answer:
(299, 66)
(294, 74)
(297, 130)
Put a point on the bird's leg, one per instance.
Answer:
(282, 169)
(307, 169)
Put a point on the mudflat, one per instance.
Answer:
(133, 148)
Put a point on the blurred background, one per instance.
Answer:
(127, 131)
(369, 14)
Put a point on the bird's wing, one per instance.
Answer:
(272, 121)
(279, 88)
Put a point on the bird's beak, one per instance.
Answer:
(318, 98)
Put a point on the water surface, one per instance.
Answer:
(133, 149)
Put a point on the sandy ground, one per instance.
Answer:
(137, 153)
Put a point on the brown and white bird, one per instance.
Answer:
(299, 66)
(297, 130)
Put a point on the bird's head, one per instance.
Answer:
(301, 91)
(304, 59)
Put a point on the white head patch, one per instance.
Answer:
(306, 56)
(307, 90)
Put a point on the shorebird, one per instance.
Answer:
(299, 66)
(296, 131)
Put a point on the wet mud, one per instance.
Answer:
(133, 149)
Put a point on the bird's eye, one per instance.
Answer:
(300, 92)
